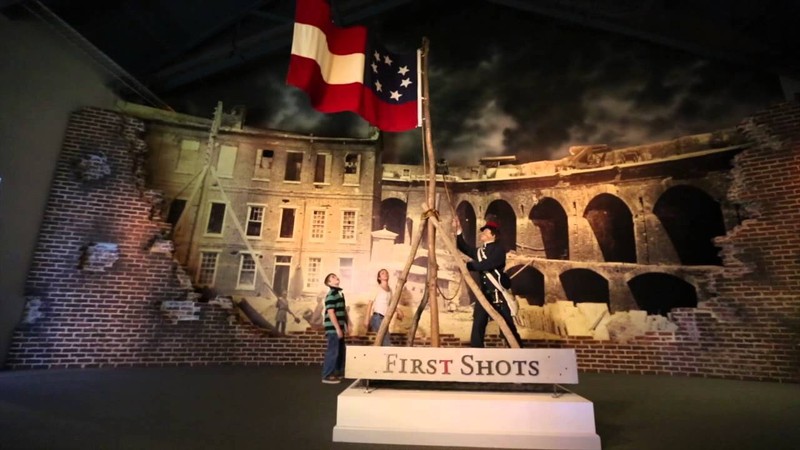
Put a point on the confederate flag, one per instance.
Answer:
(341, 70)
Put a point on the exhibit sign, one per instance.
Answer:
(458, 364)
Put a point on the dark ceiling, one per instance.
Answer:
(167, 45)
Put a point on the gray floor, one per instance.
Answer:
(288, 408)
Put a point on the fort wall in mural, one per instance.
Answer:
(602, 243)
(670, 258)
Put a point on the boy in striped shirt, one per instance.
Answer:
(336, 322)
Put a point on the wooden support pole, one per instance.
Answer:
(415, 320)
(433, 268)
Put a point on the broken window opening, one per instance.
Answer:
(352, 168)
(280, 279)
(322, 169)
(176, 208)
(216, 218)
(294, 164)
(263, 166)
(287, 223)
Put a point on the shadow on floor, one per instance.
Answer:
(286, 407)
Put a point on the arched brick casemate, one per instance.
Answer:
(549, 217)
(660, 293)
(584, 285)
(501, 212)
(528, 283)
(612, 223)
(692, 219)
(466, 214)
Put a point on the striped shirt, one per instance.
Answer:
(335, 301)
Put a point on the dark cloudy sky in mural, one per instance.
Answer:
(507, 82)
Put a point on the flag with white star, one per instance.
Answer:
(341, 71)
(393, 80)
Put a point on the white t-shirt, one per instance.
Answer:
(381, 303)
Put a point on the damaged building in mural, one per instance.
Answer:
(603, 243)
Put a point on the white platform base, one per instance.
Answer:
(466, 419)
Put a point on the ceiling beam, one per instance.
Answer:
(259, 45)
(712, 38)
(220, 59)
(6, 3)
(196, 37)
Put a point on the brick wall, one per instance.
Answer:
(748, 331)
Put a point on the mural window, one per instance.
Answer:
(255, 220)
(346, 271)
(263, 164)
(216, 218)
(322, 170)
(393, 217)
(294, 162)
(247, 272)
(287, 223)
(352, 168)
(314, 269)
(318, 224)
(176, 208)
(406, 173)
(348, 225)
(226, 161)
(187, 156)
(207, 269)
(280, 279)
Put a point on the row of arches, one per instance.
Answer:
(656, 293)
(689, 216)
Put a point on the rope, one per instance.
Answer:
(458, 290)
(430, 213)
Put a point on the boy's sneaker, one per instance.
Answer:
(331, 379)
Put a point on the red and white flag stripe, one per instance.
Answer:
(328, 63)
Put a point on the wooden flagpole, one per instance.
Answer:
(424, 223)
(430, 221)
(433, 268)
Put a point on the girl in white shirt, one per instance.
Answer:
(376, 310)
